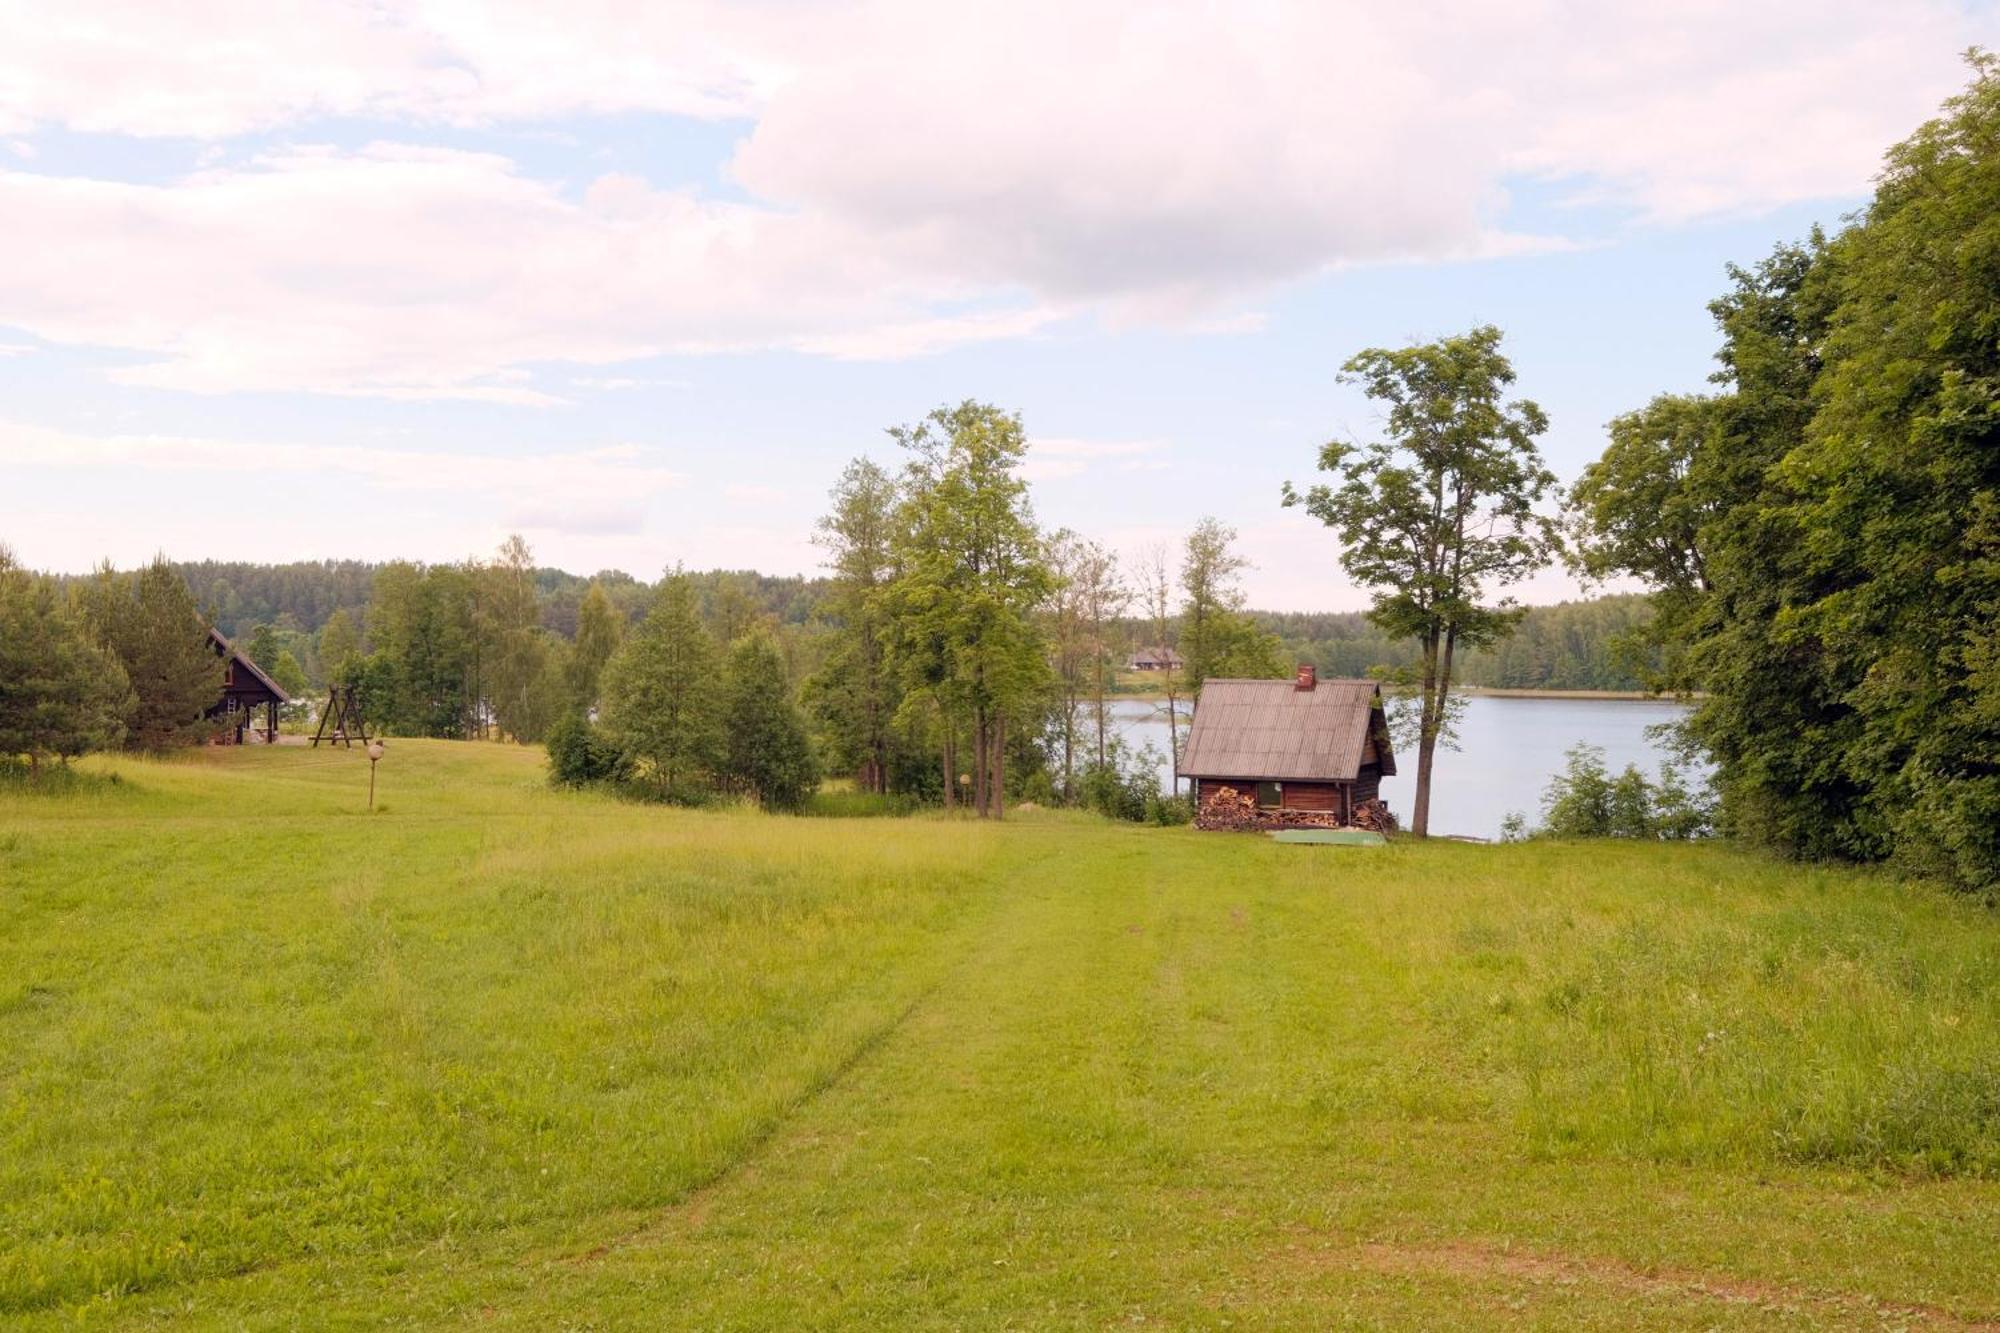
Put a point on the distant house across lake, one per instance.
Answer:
(1153, 659)
(1304, 747)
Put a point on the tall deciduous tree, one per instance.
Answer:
(422, 678)
(1156, 591)
(339, 646)
(600, 628)
(970, 574)
(1104, 597)
(854, 694)
(767, 751)
(1217, 638)
(61, 694)
(1842, 507)
(1441, 511)
(663, 691)
(149, 620)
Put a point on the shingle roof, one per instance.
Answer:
(230, 652)
(1272, 730)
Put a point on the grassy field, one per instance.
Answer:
(505, 1057)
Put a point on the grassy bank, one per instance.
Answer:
(500, 1055)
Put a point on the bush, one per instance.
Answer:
(1586, 801)
(1127, 786)
(580, 755)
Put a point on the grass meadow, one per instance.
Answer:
(500, 1056)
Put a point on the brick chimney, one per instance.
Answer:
(1308, 678)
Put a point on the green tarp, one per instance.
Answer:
(1338, 837)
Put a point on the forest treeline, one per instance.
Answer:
(1818, 538)
(1572, 645)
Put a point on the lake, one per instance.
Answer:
(1509, 748)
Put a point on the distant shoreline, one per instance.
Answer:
(1479, 691)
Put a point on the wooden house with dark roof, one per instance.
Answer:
(1303, 744)
(245, 689)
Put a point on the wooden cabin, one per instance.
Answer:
(1153, 659)
(1305, 744)
(245, 689)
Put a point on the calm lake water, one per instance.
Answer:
(1508, 751)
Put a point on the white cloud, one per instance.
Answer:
(1052, 458)
(919, 175)
(16, 349)
(412, 272)
(564, 481)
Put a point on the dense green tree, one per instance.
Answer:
(1844, 496)
(150, 622)
(664, 695)
(421, 680)
(1218, 640)
(61, 694)
(970, 575)
(1439, 513)
(582, 754)
(600, 628)
(767, 752)
(339, 645)
(855, 695)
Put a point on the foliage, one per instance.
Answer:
(970, 573)
(339, 645)
(1822, 533)
(1127, 786)
(600, 628)
(150, 622)
(61, 695)
(855, 695)
(767, 751)
(423, 676)
(1217, 638)
(1586, 801)
(582, 755)
(663, 693)
(1440, 511)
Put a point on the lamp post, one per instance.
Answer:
(374, 757)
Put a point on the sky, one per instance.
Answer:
(306, 280)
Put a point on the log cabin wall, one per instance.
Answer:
(1320, 796)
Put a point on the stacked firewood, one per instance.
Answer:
(1374, 814)
(1226, 808)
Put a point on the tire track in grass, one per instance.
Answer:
(1476, 1261)
(691, 1207)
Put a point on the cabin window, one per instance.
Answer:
(1270, 795)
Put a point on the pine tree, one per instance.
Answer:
(663, 692)
(61, 694)
(149, 620)
(768, 752)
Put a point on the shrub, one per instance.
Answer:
(580, 755)
(1586, 801)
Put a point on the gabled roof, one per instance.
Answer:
(1271, 730)
(230, 653)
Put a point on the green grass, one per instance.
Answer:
(498, 1055)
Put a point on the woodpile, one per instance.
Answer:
(1229, 810)
(1374, 815)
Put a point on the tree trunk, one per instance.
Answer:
(997, 784)
(1427, 731)
(950, 778)
(979, 743)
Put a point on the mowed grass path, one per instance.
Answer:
(500, 1056)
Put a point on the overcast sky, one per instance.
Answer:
(302, 280)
